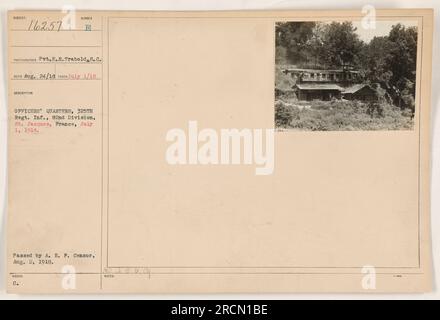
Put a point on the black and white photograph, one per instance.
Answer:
(345, 75)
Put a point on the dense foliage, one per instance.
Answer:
(387, 60)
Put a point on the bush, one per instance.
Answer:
(283, 115)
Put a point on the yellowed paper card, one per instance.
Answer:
(268, 151)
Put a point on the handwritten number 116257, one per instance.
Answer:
(36, 25)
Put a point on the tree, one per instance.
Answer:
(294, 36)
(315, 47)
(402, 63)
(341, 45)
(403, 57)
(375, 60)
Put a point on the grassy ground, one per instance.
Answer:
(339, 115)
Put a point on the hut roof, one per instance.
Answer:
(356, 88)
(320, 70)
(319, 86)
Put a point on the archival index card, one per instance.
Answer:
(269, 151)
